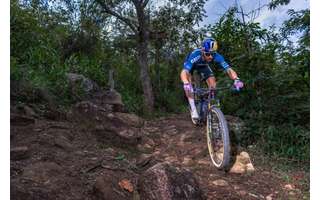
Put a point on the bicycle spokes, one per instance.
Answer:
(216, 134)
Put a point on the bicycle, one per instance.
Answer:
(218, 140)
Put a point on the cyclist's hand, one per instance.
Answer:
(237, 85)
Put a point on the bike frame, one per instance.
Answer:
(206, 100)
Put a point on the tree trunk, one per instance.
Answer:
(143, 40)
(145, 77)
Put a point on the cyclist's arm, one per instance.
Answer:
(232, 74)
(185, 75)
(225, 66)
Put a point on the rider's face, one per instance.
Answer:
(207, 57)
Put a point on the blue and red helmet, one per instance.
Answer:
(209, 45)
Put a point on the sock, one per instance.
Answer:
(192, 105)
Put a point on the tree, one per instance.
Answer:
(142, 34)
(137, 16)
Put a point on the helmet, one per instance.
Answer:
(209, 44)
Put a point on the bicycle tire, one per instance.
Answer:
(224, 132)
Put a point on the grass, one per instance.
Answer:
(291, 171)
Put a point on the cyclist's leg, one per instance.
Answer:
(211, 82)
(190, 97)
(207, 75)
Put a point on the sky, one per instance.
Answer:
(215, 8)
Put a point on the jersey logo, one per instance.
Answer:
(193, 60)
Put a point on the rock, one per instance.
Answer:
(289, 187)
(19, 153)
(238, 168)
(109, 98)
(21, 120)
(143, 149)
(244, 158)
(118, 136)
(292, 193)
(79, 83)
(130, 119)
(107, 187)
(250, 168)
(44, 173)
(243, 192)
(220, 182)
(166, 182)
(63, 143)
(236, 126)
(269, 197)
(29, 111)
(204, 161)
(242, 164)
(171, 159)
(187, 161)
(144, 160)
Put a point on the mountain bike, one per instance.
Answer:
(218, 140)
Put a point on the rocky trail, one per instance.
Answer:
(98, 151)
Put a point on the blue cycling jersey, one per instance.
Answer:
(194, 60)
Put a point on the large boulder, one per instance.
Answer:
(44, 180)
(107, 98)
(236, 127)
(107, 186)
(166, 182)
(107, 126)
(81, 86)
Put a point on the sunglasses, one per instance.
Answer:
(207, 54)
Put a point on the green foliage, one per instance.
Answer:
(286, 140)
(275, 3)
(275, 102)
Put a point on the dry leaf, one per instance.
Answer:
(126, 184)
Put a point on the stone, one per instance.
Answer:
(236, 126)
(220, 182)
(130, 119)
(187, 161)
(269, 197)
(242, 164)
(250, 168)
(19, 153)
(237, 168)
(79, 82)
(21, 120)
(289, 187)
(144, 160)
(43, 172)
(113, 185)
(62, 142)
(29, 111)
(243, 192)
(166, 182)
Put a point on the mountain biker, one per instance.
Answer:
(199, 60)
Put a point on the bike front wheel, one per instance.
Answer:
(218, 138)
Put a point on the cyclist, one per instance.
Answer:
(199, 60)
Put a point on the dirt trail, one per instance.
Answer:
(184, 144)
(59, 159)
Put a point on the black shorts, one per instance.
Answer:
(204, 71)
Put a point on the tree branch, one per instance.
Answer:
(144, 4)
(127, 21)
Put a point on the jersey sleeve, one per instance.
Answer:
(218, 58)
(191, 59)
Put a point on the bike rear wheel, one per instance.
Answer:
(218, 138)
